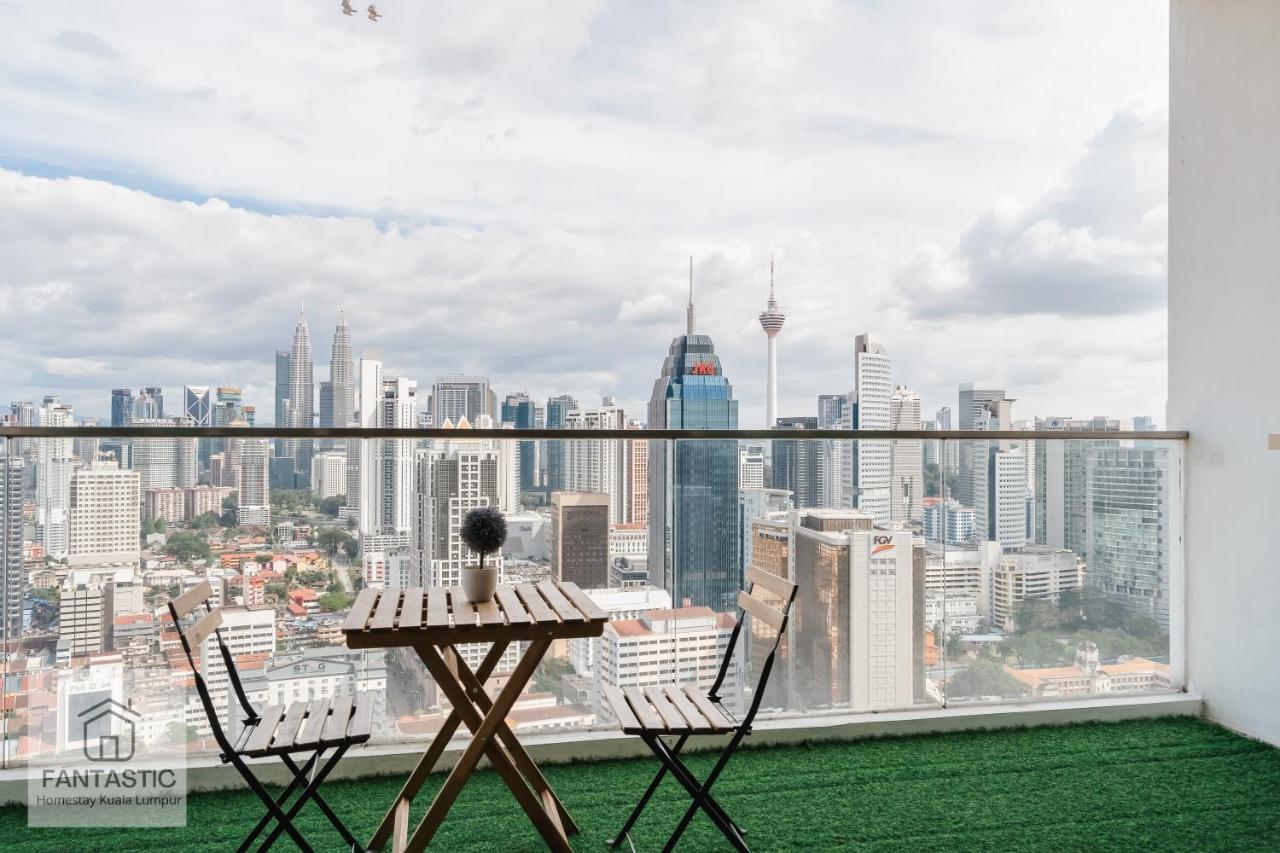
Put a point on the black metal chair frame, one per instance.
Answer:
(275, 806)
(700, 792)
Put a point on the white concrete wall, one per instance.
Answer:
(1224, 347)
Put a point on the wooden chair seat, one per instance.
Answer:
(305, 726)
(668, 710)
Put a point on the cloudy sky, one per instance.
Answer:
(514, 189)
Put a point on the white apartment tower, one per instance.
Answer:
(105, 509)
(598, 466)
(54, 461)
(866, 466)
(253, 481)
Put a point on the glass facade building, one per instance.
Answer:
(694, 534)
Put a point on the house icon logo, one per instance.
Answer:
(109, 729)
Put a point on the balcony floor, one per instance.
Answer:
(1154, 784)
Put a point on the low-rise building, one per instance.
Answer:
(1089, 677)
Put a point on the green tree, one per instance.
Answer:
(984, 677)
(1035, 648)
(277, 591)
(351, 548)
(330, 539)
(50, 595)
(549, 673)
(230, 509)
(187, 546)
(332, 602)
(330, 506)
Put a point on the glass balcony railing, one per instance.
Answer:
(935, 570)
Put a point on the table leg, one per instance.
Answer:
(428, 761)
(474, 683)
(483, 729)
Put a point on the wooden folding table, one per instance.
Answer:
(433, 621)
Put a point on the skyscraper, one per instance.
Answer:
(456, 396)
(121, 407)
(253, 480)
(580, 538)
(282, 396)
(522, 413)
(866, 465)
(337, 396)
(452, 477)
(558, 409)
(104, 514)
(798, 463)
(999, 480)
(972, 416)
(149, 403)
(906, 488)
(53, 480)
(301, 398)
(197, 404)
(771, 320)
(13, 576)
(1128, 528)
(598, 466)
(1061, 505)
(694, 537)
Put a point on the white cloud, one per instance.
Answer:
(515, 189)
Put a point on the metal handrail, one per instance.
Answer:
(579, 434)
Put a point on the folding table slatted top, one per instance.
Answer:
(433, 621)
(442, 615)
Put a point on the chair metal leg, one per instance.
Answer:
(298, 776)
(644, 800)
(273, 808)
(352, 844)
(702, 799)
(306, 795)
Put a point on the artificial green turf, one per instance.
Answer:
(1174, 784)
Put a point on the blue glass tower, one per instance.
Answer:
(694, 534)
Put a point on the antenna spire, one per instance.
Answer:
(689, 310)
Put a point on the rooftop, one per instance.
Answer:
(1134, 785)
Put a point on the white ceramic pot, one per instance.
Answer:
(478, 584)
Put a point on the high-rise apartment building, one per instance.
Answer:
(282, 396)
(557, 417)
(253, 481)
(635, 462)
(751, 465)
(380, 472)
(1128, 527)
(149, 404)
(84, 618)
(1061, 505)
(121, 407)
(998, 480)
(867, 464)
(799, 464)
(598, 466)
(453, 477)
(694, 536)
(329, 474)
(165, 463)
(948, 521)
(580, 538)
(973, 415)
(105, 507)
(456, 397)
(906, 485)
(55, 461)
(13, 575)
(522, 413)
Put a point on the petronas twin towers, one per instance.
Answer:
(295, 390)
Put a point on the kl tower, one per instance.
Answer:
(771, 321)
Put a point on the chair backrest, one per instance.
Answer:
(750, 604)
(192, 638)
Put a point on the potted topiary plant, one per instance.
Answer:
(483, 530)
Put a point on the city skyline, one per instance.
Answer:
(527, 221)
